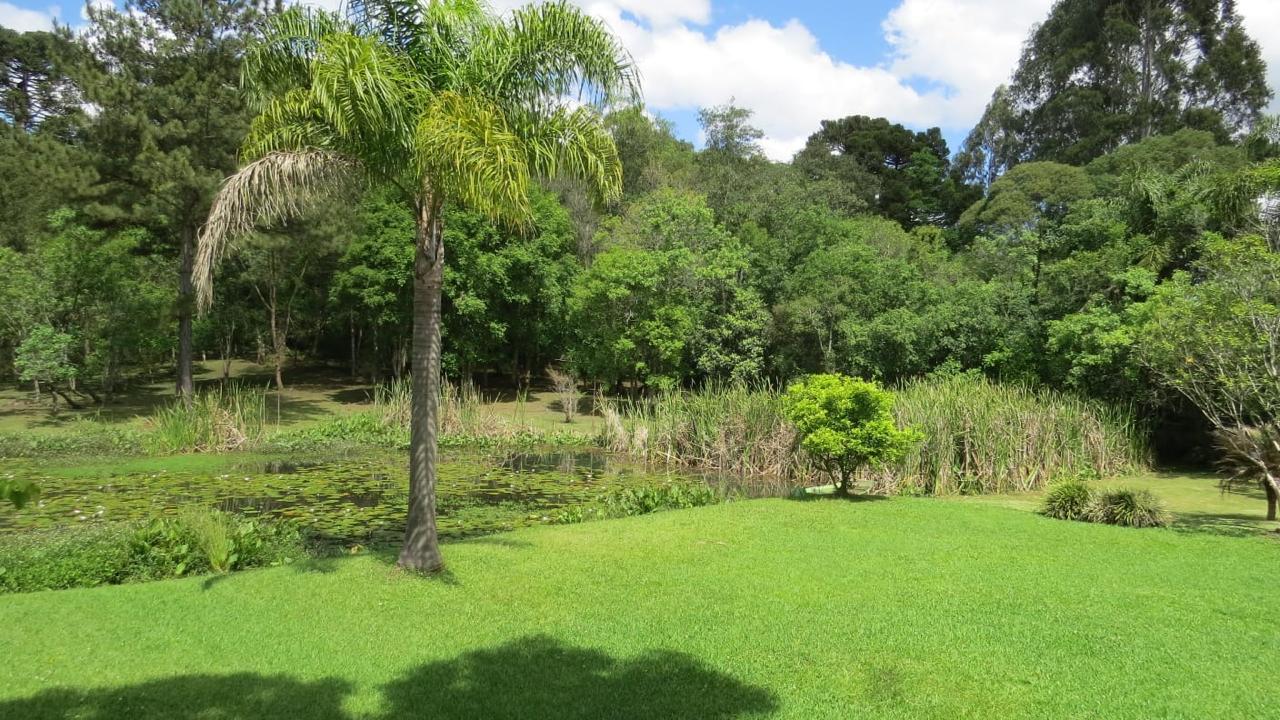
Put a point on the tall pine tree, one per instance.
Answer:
(165, 80)
(1100, 73)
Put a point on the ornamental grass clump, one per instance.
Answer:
(1128, 508)
(1068, 499)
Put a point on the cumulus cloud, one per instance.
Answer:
(26, 20)
(947, 57)
(968, 47)
(1262, 22)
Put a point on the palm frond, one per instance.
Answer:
(279, 186)
(544, 54)
(469, 153)
(281, 59)
(576, 143)
(288, 123)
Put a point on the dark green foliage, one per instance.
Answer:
(668, 299)
(1099, 73)
(35, 92)
(1069, 499)
(167, 547)
(18, 491)
(904, 175)
(652, 498)
(642, 500)
(1129, 508)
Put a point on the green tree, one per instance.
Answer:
(35, 90)
(506, 292)
(448, 104)
(373, 283)
(1026, 197)
(42, 360)
(164, 77)
(901, 173)
(634, 314)
(846, 424)
(1100, 73)
(1214, 338)
(669, 298)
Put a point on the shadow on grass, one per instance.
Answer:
(1226, 524)
(227, 697)
(533, 677)
(802, 496)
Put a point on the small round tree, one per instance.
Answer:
(846, 423)
(41, 359)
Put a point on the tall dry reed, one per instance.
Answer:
(980, 436)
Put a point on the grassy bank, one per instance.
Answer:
(902, 608)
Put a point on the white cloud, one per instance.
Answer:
(26, 20)
(780, 72)
(1262, 22)
(956, 50)
(968, 47)
(946, 58)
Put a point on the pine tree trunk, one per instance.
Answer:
(186, 305)
(421, 549)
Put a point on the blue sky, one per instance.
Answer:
(918, 62)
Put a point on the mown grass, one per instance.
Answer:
(900, 608)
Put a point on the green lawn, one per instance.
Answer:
(903, 608)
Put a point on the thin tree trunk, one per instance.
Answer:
(186, 305)
(228, 340)
(421, 549)
(1272, 498)
(277, 340)
(353, 346)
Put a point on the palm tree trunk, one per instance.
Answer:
(186, 306)
(421, 549)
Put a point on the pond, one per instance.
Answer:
(360, 500)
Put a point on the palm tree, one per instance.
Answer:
(443, 101)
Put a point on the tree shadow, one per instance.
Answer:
(802, 495)
(1226, 524)
(539, 677)
(533, 677)
(243, 696)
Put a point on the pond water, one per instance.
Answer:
(350, 500)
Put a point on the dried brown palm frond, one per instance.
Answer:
(279, 186)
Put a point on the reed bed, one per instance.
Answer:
(980, 436)
(221, 419)
(464, 412)
(723, 428)
(986, 437)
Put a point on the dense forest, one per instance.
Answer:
(1114, 207)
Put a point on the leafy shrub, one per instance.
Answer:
(846, 424)
(652, 498)
(1130, 508)
(1068, 499)
(83, 437)
(192, 543)
(628, 502)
